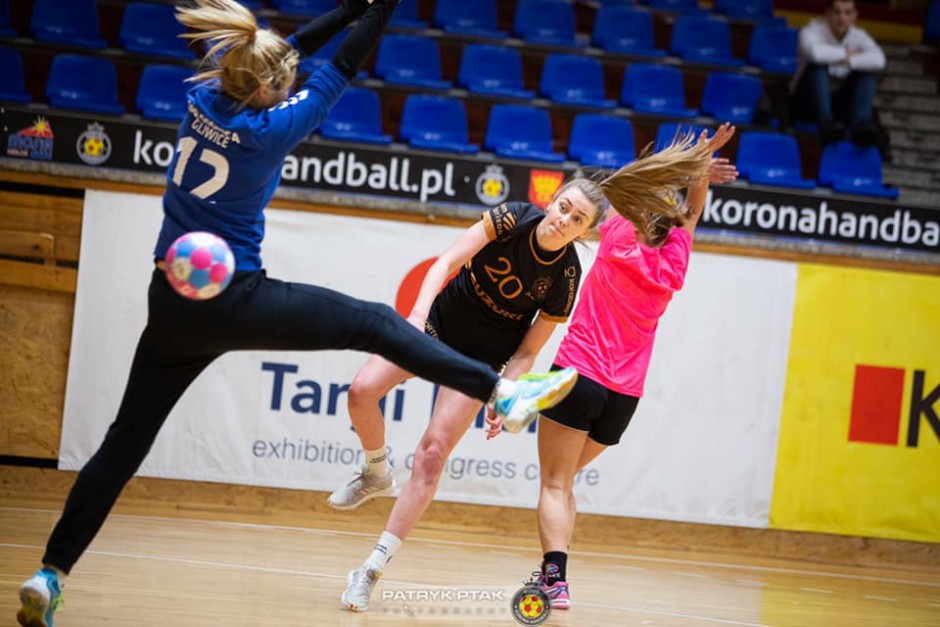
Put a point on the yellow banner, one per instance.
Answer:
(859, 449)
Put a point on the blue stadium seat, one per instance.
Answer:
(521, 132)
(668, 132)
(574, 79)
(625, 29)
(254, 5)
(773, 48)
(492, 70)
(477, 17)
(153, 29)
(704, 40)
(688, 7)
(410, 60)
(406, 15)
(6, 26)
(851, 169)
(83, 82)
(11, 76)
(932, 25)
(73, 22)
(656, 89)
(436, 123)
(311, 64)
(161, 94)
(731, 97)
(757, 10)
(356, 117)
(599, 140)
(545, 22)
(771, 159)
(305, 7)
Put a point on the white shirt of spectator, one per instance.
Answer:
(819, 45)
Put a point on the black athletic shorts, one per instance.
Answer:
(593, 408)
(469, 331)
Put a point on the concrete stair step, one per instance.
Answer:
(904, 67)
(927, 142)
(910, 121)
(903, 177)
(919, 197)
(909, 85)
(912, 159)
(903, 102)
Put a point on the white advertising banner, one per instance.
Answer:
(701, 447)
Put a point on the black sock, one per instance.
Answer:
(555, 567)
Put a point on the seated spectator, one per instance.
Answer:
(834, 85)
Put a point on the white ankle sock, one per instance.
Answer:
(377, 461)
(384, 550)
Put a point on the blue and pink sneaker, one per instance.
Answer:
(557, 594)
(40, 597)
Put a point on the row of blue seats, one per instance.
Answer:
(567, 79)
(151, 28)
(513, 131)
(489, 70)
(458, 15)
(522, 132)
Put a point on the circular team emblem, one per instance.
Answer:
(530, 605)
(94, 145)
(492, 186)
(541, 286)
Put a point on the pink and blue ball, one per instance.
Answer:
(199, 265)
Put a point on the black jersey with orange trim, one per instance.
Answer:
(511, 279)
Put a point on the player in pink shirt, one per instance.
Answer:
(610, 341)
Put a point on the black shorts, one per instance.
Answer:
(473, 333)
(593, 408)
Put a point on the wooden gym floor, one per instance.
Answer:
(220, 570)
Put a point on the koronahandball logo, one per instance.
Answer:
(492, 186)
(94, 145)
(530, 605)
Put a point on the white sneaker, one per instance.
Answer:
(534, 393)
(360, 583)
(363, 487)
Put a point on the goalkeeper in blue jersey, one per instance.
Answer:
(241, 123)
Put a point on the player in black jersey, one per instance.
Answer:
(519, 275)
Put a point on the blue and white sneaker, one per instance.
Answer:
(533, 394)
(40, 597)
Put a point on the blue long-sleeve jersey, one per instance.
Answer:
(228, 162)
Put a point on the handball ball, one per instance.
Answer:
(199, 265)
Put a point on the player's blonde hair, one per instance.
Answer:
(240, 55)
(646, 191)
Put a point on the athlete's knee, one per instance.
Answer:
(429, 461)
(558, 484)
(364, 391)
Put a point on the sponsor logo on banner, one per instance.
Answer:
(859, 444)
(34, 142)
(814, 217)
(542, 186)
(530, 604)
(877, 400)
(94, 145)
(148, 151)
(492, 186)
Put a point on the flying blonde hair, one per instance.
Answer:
(240, 55)
(646, 191)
